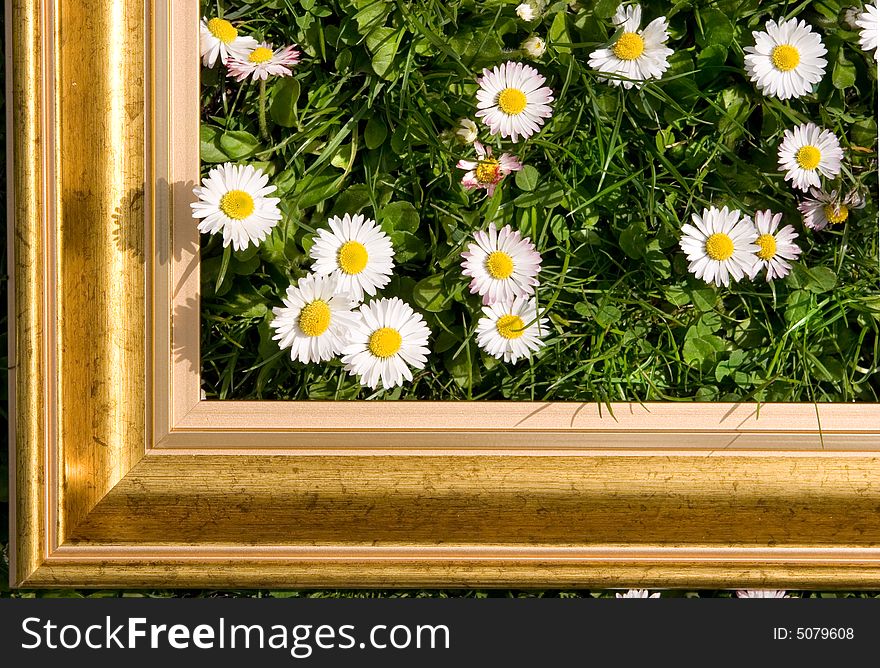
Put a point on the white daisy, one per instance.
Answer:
(513, 101)
(467, 131)
(823, 208)
(511, 330)
(638, 593)
(761, 593)
(218, 38)
(869, 22)
(357, 251)
(502, 265)
(387, 340)
(786, 61)
(720, 246)
(487, 171)
(232, 199)
(315, 321)
(533, 47)
(775, 246)
(262, 61)
(636, 55)
(808, 151)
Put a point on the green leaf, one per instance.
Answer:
(844, 73)
(558, 34)
(399, 216)
(238, 144)
(703, 298)
(407, 246)
(527, 178)
(284, 98)
(375, 133)
(462, 369)
(633, 239)
(547, 196)
(717, 28)
(607, 315)
(429, 293)
(822, 279)
(351, 200)
(383, 44)
(209, 144)
(605, 9)
(315, 188)
(700, 350)
(245, 304)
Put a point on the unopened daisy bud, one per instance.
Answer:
(531, 10)
(534, 47)
(467, 131)
(850, 16)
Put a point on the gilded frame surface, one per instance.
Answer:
(122, 476)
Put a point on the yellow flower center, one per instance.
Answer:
(785, 57)
(767, 244)
(223, 30)
(237, 204)
(260, 55)
(629, 47)
(510, 326)
(352, 257)
(314, 319)
(808, 157)
(487, 170)
(836, 214)
(385, 342)
(719, 246)
(512, 101)
(499, 264)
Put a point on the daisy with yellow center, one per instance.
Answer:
(775, 246)
(357, 252)
(511, 330)
(636, 55)
(218, 38)
(808, 152)
(232, 200)
(502, 265)
(786, 61)
(387, 339)
(513, 101)
(315, 321)
(261, 62)
(719, 245)
(487, 171)
(821, 208)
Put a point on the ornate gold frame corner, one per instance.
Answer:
(122, 477)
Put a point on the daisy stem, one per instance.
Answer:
(264, 130)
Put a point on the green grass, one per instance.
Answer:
(366, 124)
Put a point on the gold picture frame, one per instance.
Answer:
(123, 477)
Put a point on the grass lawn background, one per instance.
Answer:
(830, 250)
(366, 125)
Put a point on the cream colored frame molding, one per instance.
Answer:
(122, 476)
